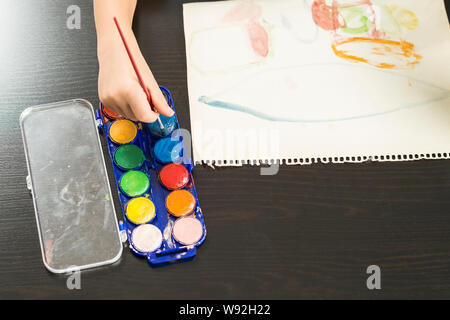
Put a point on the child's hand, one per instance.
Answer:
(118, 85)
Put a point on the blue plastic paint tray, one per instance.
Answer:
(170, 251)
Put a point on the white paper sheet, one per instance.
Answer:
(303, 81)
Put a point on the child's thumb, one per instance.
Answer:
(160, 103)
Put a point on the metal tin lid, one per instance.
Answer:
(72, 198)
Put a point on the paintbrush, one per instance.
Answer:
(138, 74)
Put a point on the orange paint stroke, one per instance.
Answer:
(385, 54)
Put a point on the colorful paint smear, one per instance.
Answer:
(326, 16)
(359, 35)
(352, 14)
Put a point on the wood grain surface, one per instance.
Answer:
(307, 232)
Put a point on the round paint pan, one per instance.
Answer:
(146, 238)
(134, 183)
(174, 176)
(129, 157)
(140, 210)
(168, 123)
(122, 131)
(167, 150)
(180, 203)
(108, 113)
(187, 231)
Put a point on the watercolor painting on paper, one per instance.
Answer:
(331, 79)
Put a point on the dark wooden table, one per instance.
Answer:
(307, 232)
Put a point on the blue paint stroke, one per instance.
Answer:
(212, 102)
(236, 107)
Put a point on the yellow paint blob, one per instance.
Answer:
(140, 210)
(123, 131)
(404, 17)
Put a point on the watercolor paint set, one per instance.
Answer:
(162, 216)
(73, 203)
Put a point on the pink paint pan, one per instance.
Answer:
(187, 231)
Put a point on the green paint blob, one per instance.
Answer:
(129, 156)
(134, 183)
(353, 13)
(365, 27)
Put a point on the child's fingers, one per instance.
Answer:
(117, 102)
(137, 100)
(121, 108)
(159, 101)
(112, 107)
(126, 110)
(129, 114)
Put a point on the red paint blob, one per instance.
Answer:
(174, 176)
(258, 38)
(325, 16)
